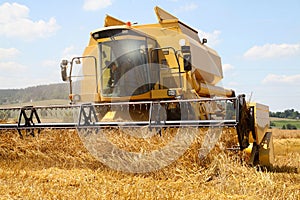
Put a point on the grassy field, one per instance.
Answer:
(279, 122)
(55, 165)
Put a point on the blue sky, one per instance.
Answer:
(258, 41)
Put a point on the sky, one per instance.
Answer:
(258, 41)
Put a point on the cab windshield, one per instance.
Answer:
(124, 61)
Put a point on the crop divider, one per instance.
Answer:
(28, 114)
(87, 115)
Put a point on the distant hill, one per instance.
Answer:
(36, 93)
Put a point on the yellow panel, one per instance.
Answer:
(145, 96)
(266, 150)
(262, 120)
(111, 21)
(163, 15)
(159, 94)
(88, 84)
(109, 116)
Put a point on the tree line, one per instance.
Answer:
(289, 114)
(36, 93)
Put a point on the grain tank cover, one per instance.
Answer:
(112, 21)
(166, 18)
(205, 61)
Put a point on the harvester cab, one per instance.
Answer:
(166, 60)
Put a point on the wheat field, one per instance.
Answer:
(56, 165)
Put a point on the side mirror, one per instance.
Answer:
(187, 58)
(204, 41)
(63, 68)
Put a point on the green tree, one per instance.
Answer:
(272, 123)
(289, 113)
(291, 127)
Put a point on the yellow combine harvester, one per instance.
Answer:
(165, 76)
(141, 94)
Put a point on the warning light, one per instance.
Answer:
(128, 23)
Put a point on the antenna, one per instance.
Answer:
(250, 97)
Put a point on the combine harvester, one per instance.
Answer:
(149, 80)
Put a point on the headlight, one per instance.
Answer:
(76, 97)
(171, 93)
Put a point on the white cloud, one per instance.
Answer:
(16, 75)
(15, 23)
(50, 63)
(8, 53)
(233, 84)
(92, 5)
(187, 7)
(212, 38)
(227, 67)
(11, 12)
(272, 51)
(23, 81)
(11, 67)
(273, 78)
(70, 52)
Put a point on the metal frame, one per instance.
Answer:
(71, 69)
(88, 118)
